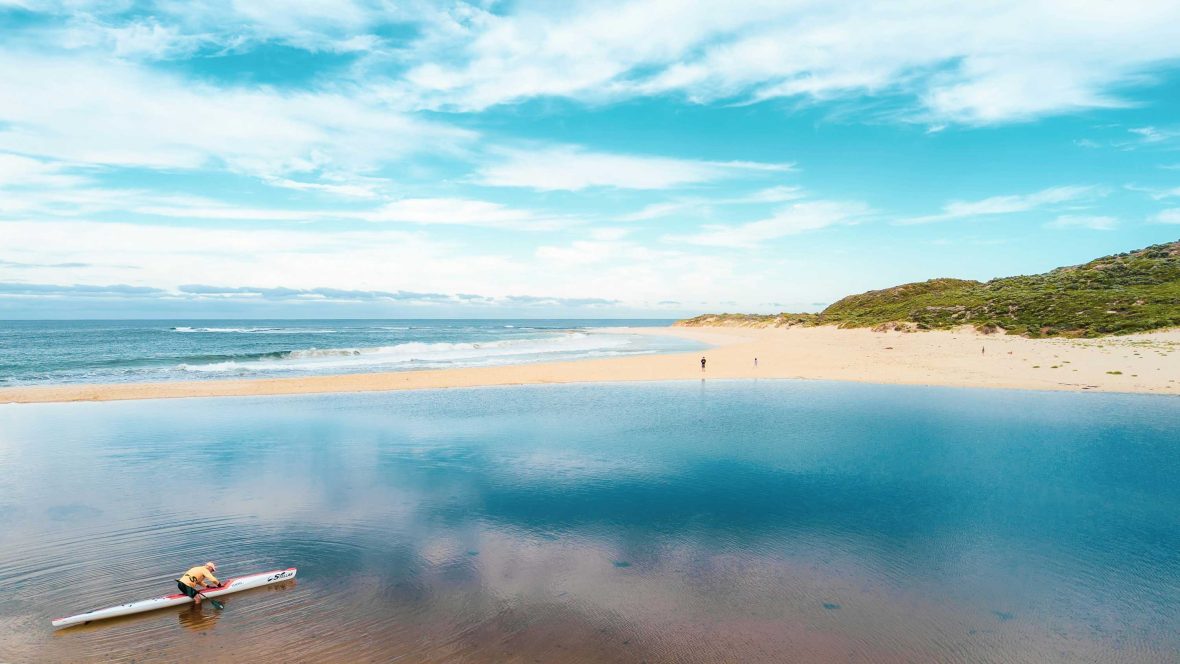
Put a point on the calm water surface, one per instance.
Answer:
(671, 522)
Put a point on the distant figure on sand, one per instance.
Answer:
(755, 363)
(982, 350)
(702, 363)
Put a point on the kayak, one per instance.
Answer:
(227, 586)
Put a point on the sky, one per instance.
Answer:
(347, 158)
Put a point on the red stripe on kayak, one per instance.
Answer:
(179, 595)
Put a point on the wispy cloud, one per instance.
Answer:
(966, 63)
(1168, 216)
(778, 194)
(1007, 204)
(791, 220)
(79, 290)
(86, 111)
(1134, 138)
(417, 211)
(342, 149)
(1156, 193)
(1092, 222)
(1154, 134)
(19, 264)
(459, 211)
(177, 29)
(21, 171)
(60, 194)
(283, 293)
(956, 62)
(386, 260)
(571, 168)
(199, 292)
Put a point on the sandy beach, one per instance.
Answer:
(1145, 363)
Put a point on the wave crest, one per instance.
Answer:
(421, 354)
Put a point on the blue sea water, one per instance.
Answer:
(41, 352)
(665, 522)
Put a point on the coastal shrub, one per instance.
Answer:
(1120, 294)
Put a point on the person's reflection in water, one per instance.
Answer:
(198, 618)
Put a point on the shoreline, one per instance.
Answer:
(1143, 363)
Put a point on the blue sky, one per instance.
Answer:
(601, 159)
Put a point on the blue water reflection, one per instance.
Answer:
(672, 522)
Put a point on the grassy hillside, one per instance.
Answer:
(1131, 292)
(751, 320)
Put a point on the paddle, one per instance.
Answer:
(216, 604)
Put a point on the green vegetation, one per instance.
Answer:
(1132, 292)
(751, 320)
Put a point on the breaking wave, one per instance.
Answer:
(421, 354)
(250, 330)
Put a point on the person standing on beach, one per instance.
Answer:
(190, 582)
(702, 363)
(755, 363)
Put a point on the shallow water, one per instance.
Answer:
(677, 522)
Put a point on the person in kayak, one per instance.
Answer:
(191, 581)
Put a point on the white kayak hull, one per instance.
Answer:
(228, 586)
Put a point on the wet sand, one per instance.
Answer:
(1146, 363)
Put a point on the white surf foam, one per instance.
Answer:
(250, 330)
(420, 354)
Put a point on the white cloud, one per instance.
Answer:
(1002, 91)
(791, 220)
(177, 28)
(780, 194)
(603, 267)
(169, 256)
(644, 276)
(1154, 134)
(572, 168)
(147, 40)
(607, 233)
(975, 63)
(1009, 204)
(658, 211)
(345, 185)
(1156, 194)
(421, 211)
(114, 113)
(1092, 222)
(20, 171)
(964, 62)
(696, 205)
(463, 212)
(1168, 216)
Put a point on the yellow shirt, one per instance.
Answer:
(198, 575)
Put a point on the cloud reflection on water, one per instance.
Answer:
(671, 520)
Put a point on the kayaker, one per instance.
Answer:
(191, 581)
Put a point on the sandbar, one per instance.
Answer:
(1143, 363)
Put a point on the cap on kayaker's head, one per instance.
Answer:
(211, 566)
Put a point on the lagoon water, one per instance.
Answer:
(668, 522)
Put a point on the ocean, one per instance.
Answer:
(746, 521)
(55, 352)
